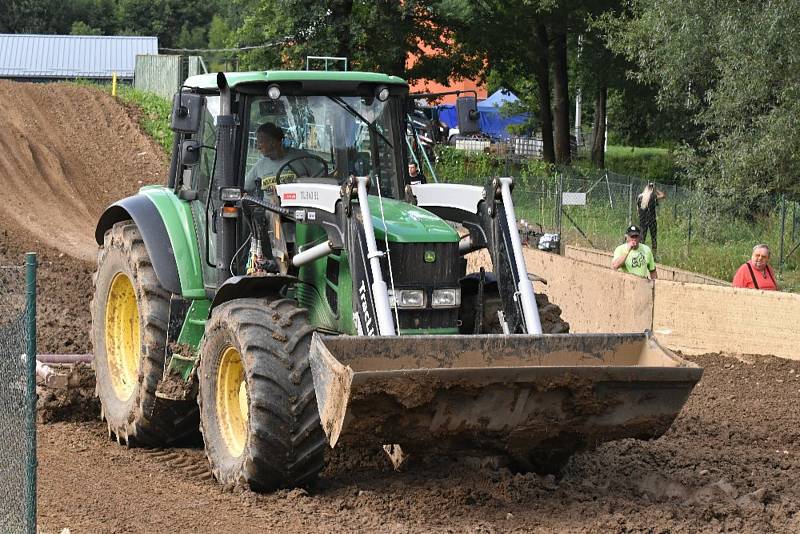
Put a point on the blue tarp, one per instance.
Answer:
(492, 123)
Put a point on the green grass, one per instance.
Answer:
(651, 164)
(155, 114)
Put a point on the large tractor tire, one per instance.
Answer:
(130, 312)
(258, 410)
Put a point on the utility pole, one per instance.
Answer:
(578, 137)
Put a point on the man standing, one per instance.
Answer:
(646, 204)
(633, 256)
(756, 273)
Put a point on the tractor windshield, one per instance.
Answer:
(320, 139)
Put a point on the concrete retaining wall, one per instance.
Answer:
(695, 318)
(603, 258)
(592, 298)
(699, 318)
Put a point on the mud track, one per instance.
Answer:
(730, 462)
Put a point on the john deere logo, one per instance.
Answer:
(430, 256)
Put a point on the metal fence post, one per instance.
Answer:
(783, 229)
(689, 236)
(30, 362)
(630, 202)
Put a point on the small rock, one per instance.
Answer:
(509, 516)
(703, 472)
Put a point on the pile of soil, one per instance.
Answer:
(66, 152)
(72, 399)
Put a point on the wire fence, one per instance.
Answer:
(593, 208)
(18, 397)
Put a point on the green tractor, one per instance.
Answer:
(287, 290)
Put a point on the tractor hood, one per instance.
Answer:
(401, 222)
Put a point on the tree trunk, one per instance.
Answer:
(599, 129)
(561, 97)
(543, 84)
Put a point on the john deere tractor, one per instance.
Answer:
(291, 294)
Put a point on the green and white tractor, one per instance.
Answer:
(327, 301)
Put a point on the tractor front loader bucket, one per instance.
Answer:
(491, 394)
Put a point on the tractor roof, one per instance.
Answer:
(211, 81)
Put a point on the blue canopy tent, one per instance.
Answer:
(491, 122)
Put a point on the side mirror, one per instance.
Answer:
(187, 110)
(467, 110)
(190, 152)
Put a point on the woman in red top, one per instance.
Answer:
(756, 273)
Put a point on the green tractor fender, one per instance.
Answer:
(250, 287)
(167, 228)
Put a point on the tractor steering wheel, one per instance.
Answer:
(288, 164)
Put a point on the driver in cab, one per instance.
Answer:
(276, 157)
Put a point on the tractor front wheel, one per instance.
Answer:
(258, 410)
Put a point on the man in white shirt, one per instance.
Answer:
(274, 155)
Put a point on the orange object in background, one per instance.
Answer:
(429, 86)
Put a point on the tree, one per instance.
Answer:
(731, 66)
(81, 28)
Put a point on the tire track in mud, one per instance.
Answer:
(191, 463)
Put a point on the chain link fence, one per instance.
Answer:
(592, 208)
(18, 397)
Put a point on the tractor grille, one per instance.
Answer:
(411, 271)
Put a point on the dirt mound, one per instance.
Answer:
(68, 396)
(66, 152)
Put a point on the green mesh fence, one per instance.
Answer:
(18, 397)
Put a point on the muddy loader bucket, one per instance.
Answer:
(485, 394)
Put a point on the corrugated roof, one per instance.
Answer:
(71, 56)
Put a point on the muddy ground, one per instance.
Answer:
(729, 463)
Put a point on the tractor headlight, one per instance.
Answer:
(446, 298)
(382, 93)
(274, 91)
(407, 298)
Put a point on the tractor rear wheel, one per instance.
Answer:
(258, 410)
(130, 312)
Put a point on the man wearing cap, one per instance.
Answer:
(633, 256)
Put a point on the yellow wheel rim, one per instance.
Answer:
(122, 336)
(231, 396)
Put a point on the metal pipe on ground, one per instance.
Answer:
(64, 358)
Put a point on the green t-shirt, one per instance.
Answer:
(640, 261)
